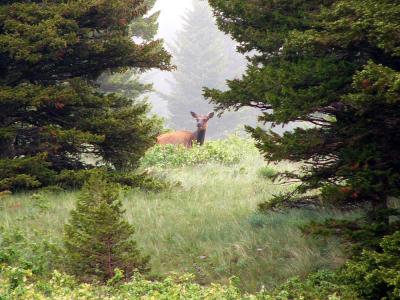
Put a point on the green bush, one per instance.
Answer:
(69, 179)
(231, 150)
(376, 274)
(19, 251)
(16, 283)
(319, 285)
(267, 172)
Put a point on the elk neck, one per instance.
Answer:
(200, 136)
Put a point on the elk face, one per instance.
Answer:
(202, 120)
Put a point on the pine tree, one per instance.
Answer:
(97, 238)
(204, 56)
(51, 112)
(128, 83)
(336, 66)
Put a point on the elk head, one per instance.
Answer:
(202, 120)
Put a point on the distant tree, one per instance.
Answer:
(51, 111)
(204, 56)
(336, 66)
(97, 238)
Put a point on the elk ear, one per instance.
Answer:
(210, 115)
(194, 115)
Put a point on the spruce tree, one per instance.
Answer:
(204, 56)
(336, 66)
(97, 238)
(128, 83)
(52, 113)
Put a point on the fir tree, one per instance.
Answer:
(128, 83)
(204, 56)
(51, 111)
(336, 66)
(97, 239)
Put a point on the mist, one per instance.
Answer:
(179, 92)
(174, 97)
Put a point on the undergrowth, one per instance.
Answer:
(207, 226)
(228, 151)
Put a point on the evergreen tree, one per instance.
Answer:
(97, 239)
(204, 56)
(335, 65)
(51, 111)
(128, 83)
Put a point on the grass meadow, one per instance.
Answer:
(208, 225)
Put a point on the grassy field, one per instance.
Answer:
(208, 226)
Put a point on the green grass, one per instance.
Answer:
(209, 226)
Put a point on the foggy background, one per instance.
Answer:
(170, 22)
(204, 56)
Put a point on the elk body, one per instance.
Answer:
(186, 138)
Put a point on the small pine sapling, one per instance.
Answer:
(97, 239)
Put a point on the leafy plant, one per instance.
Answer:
(19, 251)
(267, 172)
(376, 274)
(227, 151)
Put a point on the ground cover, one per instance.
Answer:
(208, 225)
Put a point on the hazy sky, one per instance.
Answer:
(170, 21)
(170, 17)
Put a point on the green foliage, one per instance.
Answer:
(376, 274)
(335, 195)
(373, 275)
(19, 251)
(227, 151)
(267, 172)
(226, 236)
(15, 284)
(319, 285)
(334, 66)
(52, 115)
(142, 180)
(97, 239)
(359, 234)
(369, 275)
(25, 173)
(69, 179)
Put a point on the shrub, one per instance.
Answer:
(19, 251)
(319, 285)
(16, 283)
(228, 151)
(376, 274)
(69, 179)
(97, 239)
(267, 172)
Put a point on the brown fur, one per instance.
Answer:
(185, 138)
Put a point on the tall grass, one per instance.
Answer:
(209, 226)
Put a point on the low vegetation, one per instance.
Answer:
(229, 151)
(207, 225)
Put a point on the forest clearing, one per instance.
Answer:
(207, 226)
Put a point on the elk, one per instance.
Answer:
(186, 138)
